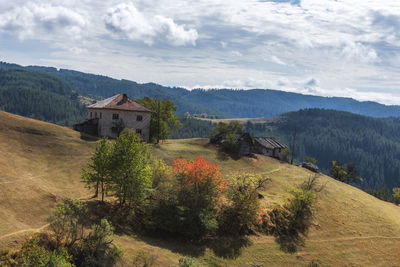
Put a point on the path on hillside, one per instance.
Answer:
(350, 238)
(34, 230)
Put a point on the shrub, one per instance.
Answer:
(396, 195)
(96, 249)
(290, 222)
(187, 262)
(285, 154)
(33, 254)
(161, 173)
(143, 259)
(310, 159)
(66, 222)
(243, 210)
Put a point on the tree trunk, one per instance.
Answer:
(102, 192)
(97, 189)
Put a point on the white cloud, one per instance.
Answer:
(309, 46)
(277, 60)
(359, 52)
(33, 19)
(127, 20)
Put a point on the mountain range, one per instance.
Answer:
(225, 103)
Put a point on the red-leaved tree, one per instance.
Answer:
(200, 187)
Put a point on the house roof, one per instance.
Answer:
(120, 102)
(269, 142)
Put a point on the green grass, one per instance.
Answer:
(41, 162)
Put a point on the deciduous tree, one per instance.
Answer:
(163, 120)
(130, 171)
(98, 171)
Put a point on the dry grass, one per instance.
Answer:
(40, 162)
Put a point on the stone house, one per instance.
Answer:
(110, 116)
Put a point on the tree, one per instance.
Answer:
(99, 168)
(130, 170)
(67, 221)
(310, 159)
(233, 127)
(163, 120)
(200, 184)
(396, 195)
(242, 213)
(345, 173)
(338, 172)
(96, 249)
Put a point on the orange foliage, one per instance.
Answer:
(199, 171)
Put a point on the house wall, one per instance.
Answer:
(106, 121)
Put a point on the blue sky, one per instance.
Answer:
(323, 47)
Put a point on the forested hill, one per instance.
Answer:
(40, 96)
(372, 144)
(225, 103)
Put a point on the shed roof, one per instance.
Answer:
(269, 142)
(121, 102)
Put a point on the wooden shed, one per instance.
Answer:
(268, 146)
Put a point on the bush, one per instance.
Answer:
(187, 262)
(66, 222)
(143, 259)
(310, 159)
(96, 249)
(396, 195)
(33, 254)
(243, 210)
(290, 223)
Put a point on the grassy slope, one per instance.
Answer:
(40, 162)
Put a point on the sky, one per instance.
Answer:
(347, 48)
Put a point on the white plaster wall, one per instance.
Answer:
(106, 121)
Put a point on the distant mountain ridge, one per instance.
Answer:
(226, 103)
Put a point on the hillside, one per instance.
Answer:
(41, 162)
(224, 103)
(39, 96)
(373, 144)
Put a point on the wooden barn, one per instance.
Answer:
(268, 146)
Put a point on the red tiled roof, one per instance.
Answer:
(121, 102)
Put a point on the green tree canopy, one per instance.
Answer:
(98, 169)
(130, 169)
(163, 120)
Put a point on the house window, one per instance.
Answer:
(100, 115)
(139, 131)
(115, 116)
(91, 114)
(139, 117)
(95, 114)
(114, 130)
